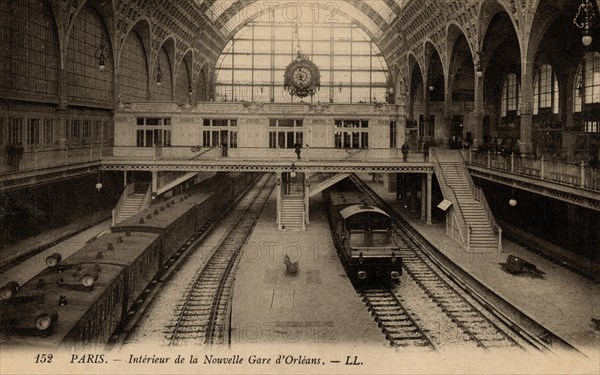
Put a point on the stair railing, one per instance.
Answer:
(129, 189)
(216, 150)
(146, 201)
(459, 227)
(353, 154)
(479, 196)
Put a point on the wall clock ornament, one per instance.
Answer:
(302, 77)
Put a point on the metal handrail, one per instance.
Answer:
(560, 172)
(146, 201)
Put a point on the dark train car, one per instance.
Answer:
(362, 234)
(46, 312)
(174, 221)
(81, 300)
(138, 253)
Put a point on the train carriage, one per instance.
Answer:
(71, 312)
(174, 221)
(81, 300)
(363, 237)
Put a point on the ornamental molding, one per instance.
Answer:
(253, 107)
(320, 108)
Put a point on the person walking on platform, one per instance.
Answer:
(298, 149)
(405, 149)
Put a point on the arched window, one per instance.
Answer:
(545, 91)
(511, 96)
(252, 65)
(586, 95)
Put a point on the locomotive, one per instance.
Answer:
(362, 233)
(81, 300)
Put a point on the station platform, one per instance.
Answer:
(317, 306)
(562, 302)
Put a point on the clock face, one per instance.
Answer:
(302, 77)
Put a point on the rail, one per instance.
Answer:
(203, 151)
(129, 189)
(459, 229)
(186, 152)
(146, 201)
(576, 174)
(14, 159)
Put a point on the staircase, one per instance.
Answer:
(482, 237)
(330, 180)
(131, 206)
(292, 212)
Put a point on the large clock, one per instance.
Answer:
(302, 77)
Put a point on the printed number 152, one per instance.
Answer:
(43, 358)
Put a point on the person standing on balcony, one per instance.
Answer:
(426, 146)
(297, 149)
(405, 150)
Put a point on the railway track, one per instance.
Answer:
(201, 315)
(474, 319)
(454, 303)
(399, 328)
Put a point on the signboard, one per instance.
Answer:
(444, 205)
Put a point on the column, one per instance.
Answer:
(306, 198)
(423, 198)
(426, 97)
(125, 178)
(447, 130)
(278, 187)
(154, 182)
(62, 111)
(429, 180)
(525, 145)
(478, 113)
(526, 107)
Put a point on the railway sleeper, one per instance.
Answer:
(406, 337)
(398, 327)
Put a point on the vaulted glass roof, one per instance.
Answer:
(373, 16)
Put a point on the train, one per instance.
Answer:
(362, 234)
(80, 301)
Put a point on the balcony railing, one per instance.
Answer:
(37, 159)
(577, 175)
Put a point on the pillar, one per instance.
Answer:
(526, 107)
(423, 198)
(429, 180)
(154, 182)
(306, 198)
(478, 113)
(525, 143)
(426, 97)
(448, 104)
(125, 178)
(278, 187)
(62, 111)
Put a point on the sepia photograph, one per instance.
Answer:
(299, 187)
